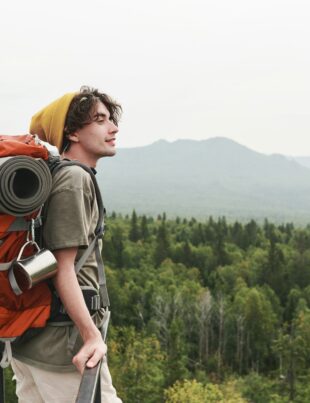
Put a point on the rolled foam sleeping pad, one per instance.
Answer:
(25, 183)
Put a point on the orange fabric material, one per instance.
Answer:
(31, 309)
(11, 242)
(23, 144)
(21, 312)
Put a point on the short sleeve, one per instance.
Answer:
(69, 212)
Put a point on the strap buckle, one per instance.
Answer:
(95, 303)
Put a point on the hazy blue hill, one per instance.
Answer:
(197, 178)
(305, 161)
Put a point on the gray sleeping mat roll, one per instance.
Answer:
(25, 183)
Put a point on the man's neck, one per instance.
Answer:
(81, 157)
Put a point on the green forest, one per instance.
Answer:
(207, 311)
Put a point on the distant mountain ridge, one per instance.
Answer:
(209, 177)
(305, 161)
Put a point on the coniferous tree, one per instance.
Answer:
(134, 233)
(118, 247)
(144, 228)
(251, 232)
(187, 257)
(162, 247)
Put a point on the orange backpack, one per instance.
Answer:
(22, 315)
(31, 309)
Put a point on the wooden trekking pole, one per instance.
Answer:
(90, 390)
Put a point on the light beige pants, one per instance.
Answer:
(34, 385)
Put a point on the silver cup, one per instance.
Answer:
(27, 272)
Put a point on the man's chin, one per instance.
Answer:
(109, 153)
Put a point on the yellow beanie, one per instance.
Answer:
(49, 122)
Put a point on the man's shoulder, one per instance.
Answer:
(73, 169)
(72, 175)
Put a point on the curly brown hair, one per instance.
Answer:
(80, 112)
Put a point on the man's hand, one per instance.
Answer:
(90, 354)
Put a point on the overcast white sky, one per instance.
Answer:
(181, 68)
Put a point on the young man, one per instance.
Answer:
(48, 367)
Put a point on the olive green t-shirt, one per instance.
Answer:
(71, 219)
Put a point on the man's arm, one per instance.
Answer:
(70, 293)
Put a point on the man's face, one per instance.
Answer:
(97, 139)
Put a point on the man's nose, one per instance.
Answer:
(114, 128)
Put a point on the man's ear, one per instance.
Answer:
(74, 137)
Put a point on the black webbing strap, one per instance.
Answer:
(21, 224)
